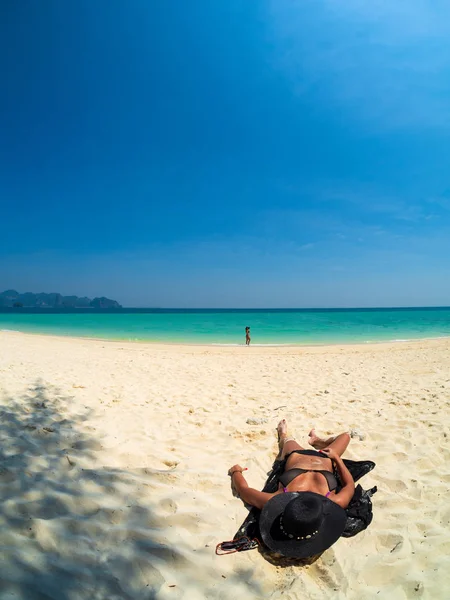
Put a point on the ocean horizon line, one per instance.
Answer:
(24, 309)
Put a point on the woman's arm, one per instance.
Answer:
(247, 494)
(348, 485)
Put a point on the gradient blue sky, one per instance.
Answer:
(227, 153)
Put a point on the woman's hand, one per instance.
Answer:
(235, 468)
(330, 453)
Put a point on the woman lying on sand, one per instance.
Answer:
(306, 515)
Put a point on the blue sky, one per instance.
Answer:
(230, 153)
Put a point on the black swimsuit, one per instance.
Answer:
(288, 476)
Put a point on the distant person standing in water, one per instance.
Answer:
(247, 336)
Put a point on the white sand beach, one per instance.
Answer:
(114, 460)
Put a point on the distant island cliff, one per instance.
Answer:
(12, 299)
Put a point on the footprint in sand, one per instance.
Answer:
(384, 574)
(394, 485)
(171, 463)
(6, 476)
(169, 506)
(391, 542)
(45, 508)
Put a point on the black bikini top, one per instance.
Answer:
(286, 478)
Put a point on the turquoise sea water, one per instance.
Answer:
(228, 326)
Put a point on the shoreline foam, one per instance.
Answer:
(167, 343)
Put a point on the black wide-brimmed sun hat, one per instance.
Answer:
(301, 524)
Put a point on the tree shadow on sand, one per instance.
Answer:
(69, 531)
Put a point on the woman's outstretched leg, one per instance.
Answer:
(286, 443)
(338, 443)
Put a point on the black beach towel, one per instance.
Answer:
(359, 511)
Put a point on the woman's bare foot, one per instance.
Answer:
(315, 441)
(282, 431)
